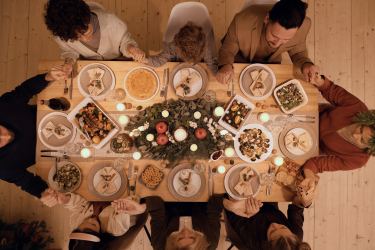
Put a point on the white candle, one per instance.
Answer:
(120, 107)
(223, 132)
(193, 147)
(264, 117)
(123, 119)
(150, 137)
(197, 115)
(85, 153)
(219, 111)
(137, 155)
(278, 160)
(165, 113)
(180, 134)
(229, 152)
(221, 169)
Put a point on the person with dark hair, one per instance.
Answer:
(176, 225)
(86, 30)
(190, 44)
(18, 132)
(95, 222)
(346, 133)
(252, 224)
(260, 34)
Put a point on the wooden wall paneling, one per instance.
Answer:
(332, 44)
(355, 233)
(41, 43)
(216, 9)
(134, 13)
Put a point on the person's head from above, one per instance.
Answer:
(69, 20)
(6, 136)
(86, 235)
(190, 43)
(363, 131)
(186, 239)
(283, 21)
(281, 238)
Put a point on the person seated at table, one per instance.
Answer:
(252, 224)
(95, 223)
(87, 30)
(190, 44)
(346, 133)
(260, 34)
(18, 132)
(182, 225)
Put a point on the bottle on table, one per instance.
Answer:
(60, 103)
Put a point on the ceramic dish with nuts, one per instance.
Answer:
(151, 176)
(254, 143)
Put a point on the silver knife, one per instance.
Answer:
(71, 86)
(135, 177)
(162, 90)
(166, 84)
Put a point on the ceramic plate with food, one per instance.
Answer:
(121, 143)
(151, 176)
(242, 181)
(189, 81)
(236, 113)
(67, 178)
(106, 182)
(55, 130)
(298, 141)
(290, 96)
(141, 84)
(253, 143)
(96, 80)
(257, 81)
(184, 183)
(93, 122)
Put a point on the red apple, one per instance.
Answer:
(200, 133)
(161, 127)
(162, 139)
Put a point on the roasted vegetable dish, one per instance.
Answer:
(67, 177)
(254, 143)
(290, 96)
(236, 114)
(94, 123)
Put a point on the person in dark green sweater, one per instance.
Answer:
(18, 132)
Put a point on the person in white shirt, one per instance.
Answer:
(86, 30)
(93, 220)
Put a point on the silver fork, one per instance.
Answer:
(230, 89)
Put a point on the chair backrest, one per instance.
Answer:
(248, 3)
(125, 241)
(182, 13)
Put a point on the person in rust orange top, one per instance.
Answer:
(346, 131)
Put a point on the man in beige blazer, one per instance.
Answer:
(261, 34)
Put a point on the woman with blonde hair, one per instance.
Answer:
(185, 226)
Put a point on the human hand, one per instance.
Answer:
(62, 198)
(56, 74)
(306, 189)
(225, 74)
(310, 71)
(136, 53)
(49, 197)
(244, 208)
(128, 206)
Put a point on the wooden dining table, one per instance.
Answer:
(121, 68)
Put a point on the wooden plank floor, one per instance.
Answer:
(341, 42)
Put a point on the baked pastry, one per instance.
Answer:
(141, 84)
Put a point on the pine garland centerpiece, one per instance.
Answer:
(178, 130)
